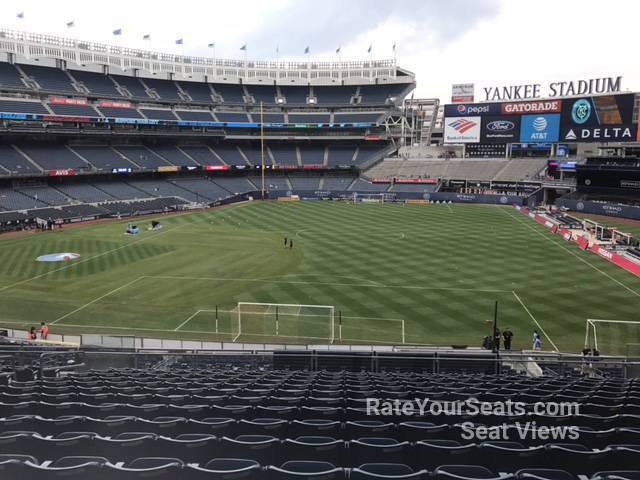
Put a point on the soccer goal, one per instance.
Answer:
(613, 337)
(372, 197)
(283, 320)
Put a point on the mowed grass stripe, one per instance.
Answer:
(340, 252)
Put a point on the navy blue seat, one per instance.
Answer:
(14, 466)
(225, 469)
(378, 449)
(469, 472)
(495, 455)
(617, 475)
(261, 448)
(432, 453)
(189, 447)
(276, 427)
(368, 428)
(544, 474)
(315, 426)
(316, 447)
(126, 446)
(305, 470)
(398, 471)
(576, 457)
(74, 467)
(157, 468)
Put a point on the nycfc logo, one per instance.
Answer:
(426, 196)
(504, 199)
(581, 111)
(539, 124)
(587, 182)
(580, 206)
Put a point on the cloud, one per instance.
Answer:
(323, 26)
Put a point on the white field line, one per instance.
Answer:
(96, 300)
(550, 239)
(325, 275)
(535, 321)
(411, 287)
(6, 287)
(186, 321)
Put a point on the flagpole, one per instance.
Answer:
(262, 144)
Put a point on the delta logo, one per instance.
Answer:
(462, 125)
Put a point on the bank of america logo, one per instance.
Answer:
(462, 125)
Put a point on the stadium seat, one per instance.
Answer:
(75, 467)
(316, 447)
(263, 426)
(368, 428)
(371, 471)
(305, 470)
(189, 447)
(162, 468)
(225, 469)
(617, 475)
(378, 449)
(14, 465)
(441, 451)
(544, 474)
(466, 472)
(496, 454)
(262, 448)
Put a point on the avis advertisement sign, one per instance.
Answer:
(462, 93)
(462, 130)
(607, 118)
(502, 129)
(540, 128)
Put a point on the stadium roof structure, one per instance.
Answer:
(35, 46)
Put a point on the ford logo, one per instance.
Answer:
(501, 126)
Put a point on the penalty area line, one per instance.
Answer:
(82, 307)
(534, 320)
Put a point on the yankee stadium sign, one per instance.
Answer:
(553, 89)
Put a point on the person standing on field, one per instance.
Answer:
(44, 331)
(285, 242)
(507, 335)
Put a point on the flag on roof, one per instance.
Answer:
(338, 49)
(212, 45)
(179, 41)
(117, 31)
(20, 15)
(370, 48)
(306, 50)
(146, 37)
(244, 47)
(71, 24)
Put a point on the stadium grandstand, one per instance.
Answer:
(247, 269)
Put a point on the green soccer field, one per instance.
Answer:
(432, 271)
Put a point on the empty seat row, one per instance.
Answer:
(198, 448)
(27, 467)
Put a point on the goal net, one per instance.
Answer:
(372, 197)
(613, 337)
(286, 321)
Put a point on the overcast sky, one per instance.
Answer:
(486, 42)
